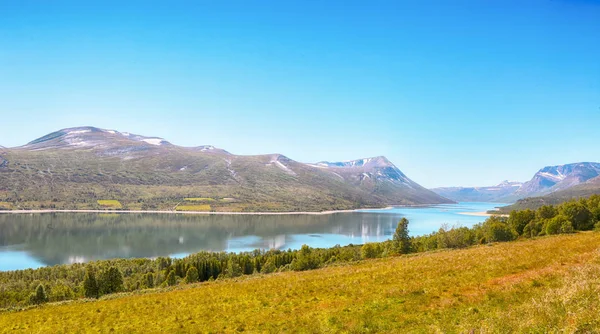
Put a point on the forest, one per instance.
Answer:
(25, 288)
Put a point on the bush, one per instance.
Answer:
(455, 237)
(498, 230)
(370, 251)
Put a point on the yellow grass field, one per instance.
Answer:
(551, 284)
(195, 207)
(110, 204)
(199, 199)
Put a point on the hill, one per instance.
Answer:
(92, 168)
(540, 285)
(479, 194)
(552, 179)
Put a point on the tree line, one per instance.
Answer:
(96, 279)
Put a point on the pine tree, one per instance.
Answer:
(90, 285)
(39, 296)
(171, 279)
(401, 239)
(111, 281)
(192, 275)
(233, 269)
(149, 280)
(269, 267)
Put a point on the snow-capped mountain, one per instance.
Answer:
(91, 137)
(83, 164)
(479, 194)
(380, 176)
(555, 178)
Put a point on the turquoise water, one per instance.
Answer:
(35, 240)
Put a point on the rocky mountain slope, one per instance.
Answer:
(74, 168)
(552, 179)
(586, 189)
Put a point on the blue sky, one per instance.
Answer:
(453, 92)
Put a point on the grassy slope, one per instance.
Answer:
(537, 285)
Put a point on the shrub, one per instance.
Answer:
(498, 230)
(370, 251)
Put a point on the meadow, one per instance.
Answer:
(548, 284)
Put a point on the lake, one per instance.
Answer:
(35, 240)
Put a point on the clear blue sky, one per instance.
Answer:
(453, 92)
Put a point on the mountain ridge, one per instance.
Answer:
(75, 167)
(479, 194)
(551, 179)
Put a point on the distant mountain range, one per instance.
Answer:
(479, 194)
(74, 168)
(562, 181)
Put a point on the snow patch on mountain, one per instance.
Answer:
(153, 141)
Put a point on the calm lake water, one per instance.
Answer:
(35, 240)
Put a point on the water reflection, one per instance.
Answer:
(34, 240)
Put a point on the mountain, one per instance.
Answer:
(479, 194)
(586, 189)
(552, 179)
(74, 168)
(379, 176)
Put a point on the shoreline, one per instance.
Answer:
(329, 212)
(481, 214)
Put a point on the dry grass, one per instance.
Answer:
(547, 285)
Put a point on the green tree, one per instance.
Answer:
(546, 212)
(268, 267)
(578, 215)
(370, 251)
(171, 279)
(455, 237)
(39, 297)
(306, 260)
(148, 280)
(90, 284)
(519, 219)
(533, 229)
(233, 268)
(557, 224)
(111, 281)
(496, 229)
(401, 239)
(191, 276)
(61, 291)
